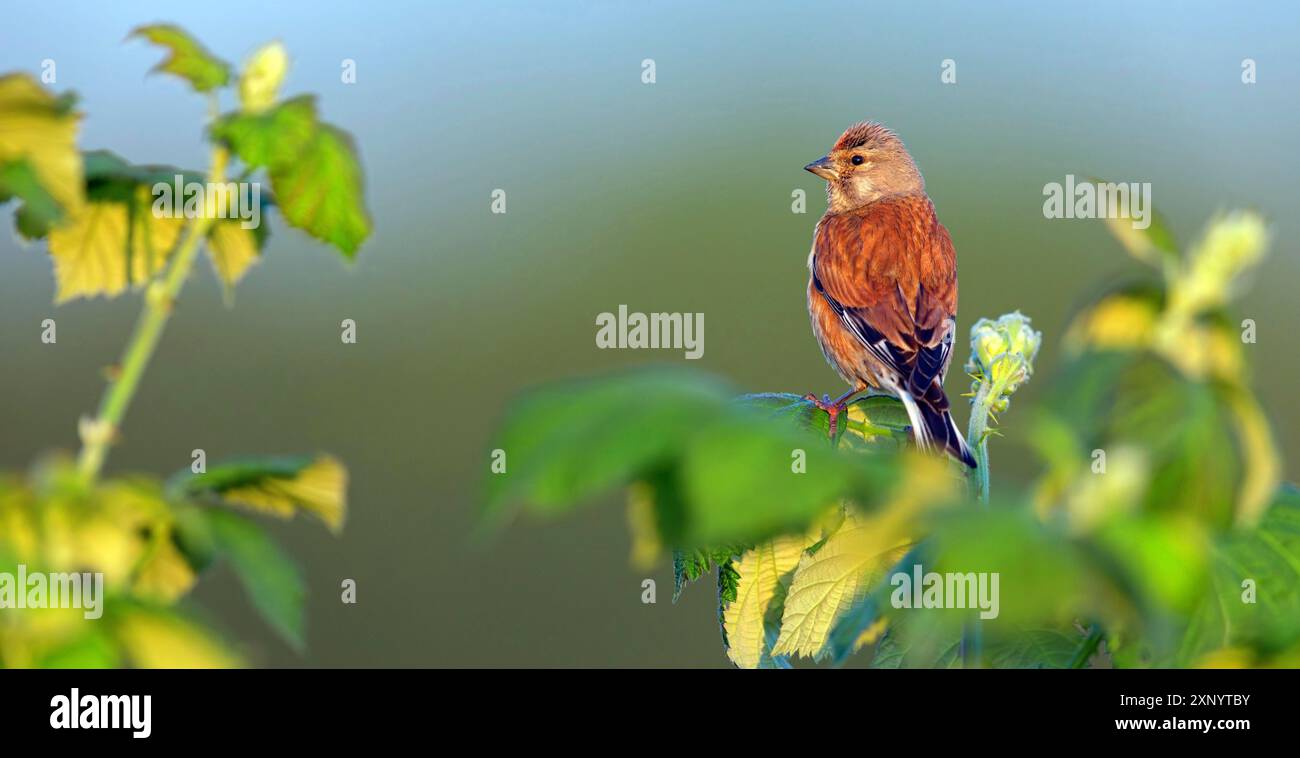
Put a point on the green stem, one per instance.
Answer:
(97, 434)
(1088, 647)
(977, 436)
(972, 648)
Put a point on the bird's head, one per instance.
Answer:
(868, 162)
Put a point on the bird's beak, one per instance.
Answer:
(822, 167)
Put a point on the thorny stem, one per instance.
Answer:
(98, 434)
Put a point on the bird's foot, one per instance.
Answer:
(834, 409)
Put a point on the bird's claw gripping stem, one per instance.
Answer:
(833, 410)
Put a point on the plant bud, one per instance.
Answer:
(1002, 355)
(263, 74)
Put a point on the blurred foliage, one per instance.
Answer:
(93, 207)
(1158, 533)
(186, 57)
(151, 544)
(99, 217)
(39, 163)
(312, 166)
(717, 470)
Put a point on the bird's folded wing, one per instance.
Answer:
(890, 275)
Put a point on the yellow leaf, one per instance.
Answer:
(1232, 245)
(232, 249)
(19, 530)
(165, 575)
(38, 127)
(1262, 467)
(764, 574)
(319, 488)
(1119, 322)
(646, 545)
(872, 633)
(1124, 321)
(158, 640)
(76, 538)
(29, 636)
(110, 533)
(855, 557)
(840, 573)
(1226, 658)
(91, 250)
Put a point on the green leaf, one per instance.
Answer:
(192, 533)
(794, 409)
(918, 645)
(917, 641)
(271, 138)
(275, 486)
(932, 638)
(1043, 572)
(1044, 580)
(1163, 557)
(39, 210)
(109, 176)
(92, 650)
(1269, 557)
(186, 57)
(568, 443)
(322, 194)
(719, 473)
(314, 170)
(728, 586)
(693, 563)
(1112, 400)
(688, 565)
(867, 420)
(271, 579)
(881, 415)
(739, 484)
(1033, 648)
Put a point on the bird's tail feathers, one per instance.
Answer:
(934, 430)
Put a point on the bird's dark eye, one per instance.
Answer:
(857, 160)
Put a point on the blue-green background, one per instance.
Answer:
(670, 197)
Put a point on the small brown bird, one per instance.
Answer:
(883, 292)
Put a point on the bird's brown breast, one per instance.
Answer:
(892, 263)
(862, 256)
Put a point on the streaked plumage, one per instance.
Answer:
(882, 294)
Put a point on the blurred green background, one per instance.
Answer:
(666, 197)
